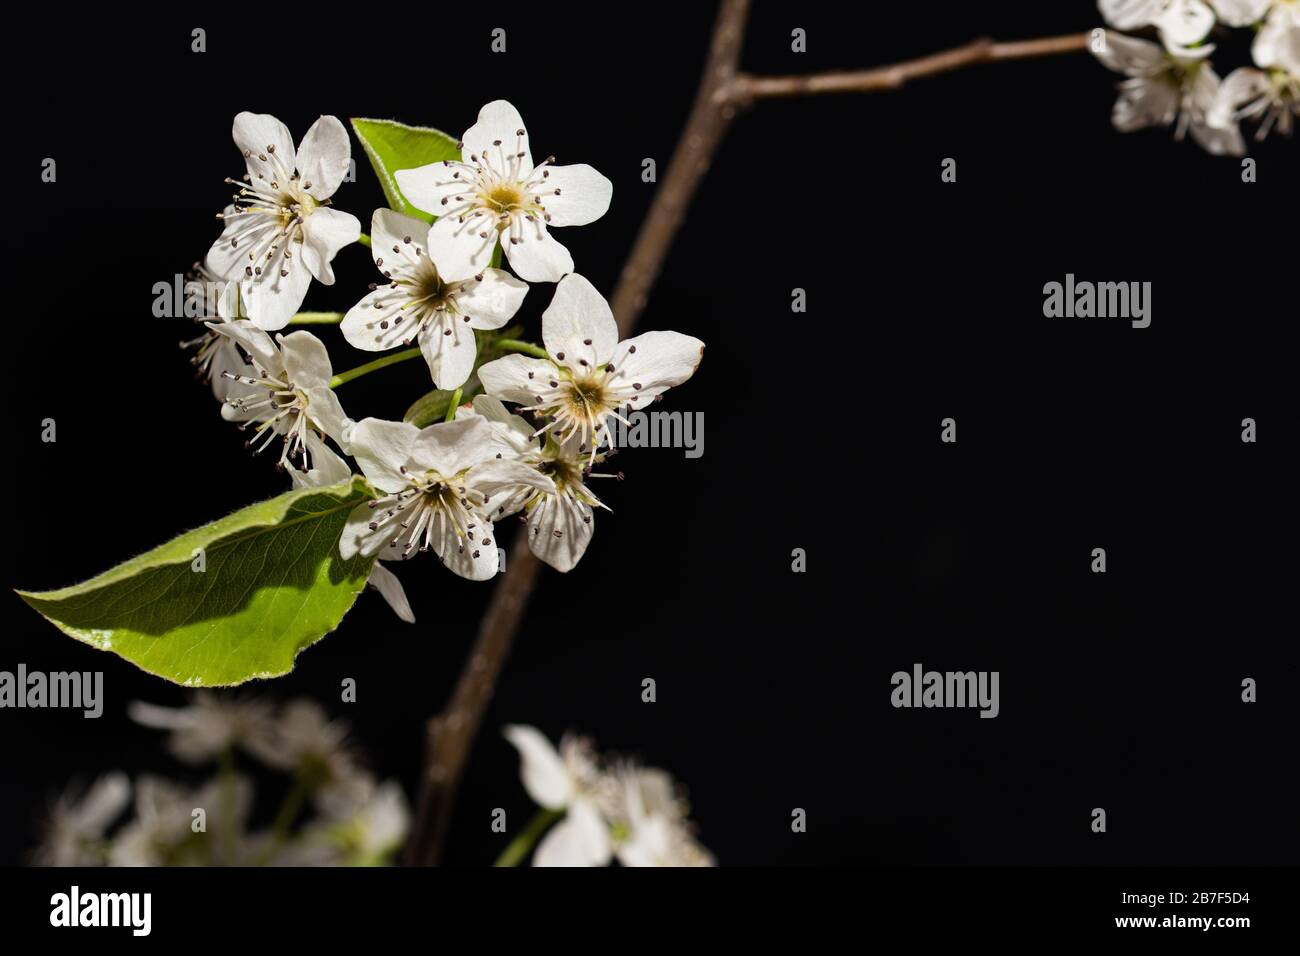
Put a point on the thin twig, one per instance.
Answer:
(748, 88)
(723, 92)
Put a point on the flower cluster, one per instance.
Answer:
(617, 810)
(441, 487)
(1172, 83)
(355, 820)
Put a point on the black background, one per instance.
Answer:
(822, 429)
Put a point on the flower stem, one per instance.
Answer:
(317, 318)
(364, 239)
(342, 378)
(517, 345)
(453, 405)
(523, 844)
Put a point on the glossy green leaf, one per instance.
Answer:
(391, 146)
(228, 602)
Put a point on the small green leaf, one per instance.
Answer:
(392, 146)
(231, 601)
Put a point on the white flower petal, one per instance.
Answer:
(382, 448)
(255, 134)
(515, 432)
(324, 156)
(327, 468)
(544, 774)
(1242, 85)
(389, 229)
(1145, 102)
(1184, 22)
(324, 232)
(359, 538)
(539, 257)
(473, 555)
(452, 447)
(271, 300)
(656, 361)
(496, 138)
(254, 341)
(305, 359)
(1241, 13)
(558, 533)
(426, 187)
(326, 412)
(1129, 55)
(583, 195)
(580, 839)
(361, 325)
(514, 378)
(1277, 44)
(493, 302)
(1219, 140)
(450, 357)
(458, 249)
(387, 584)
(578, 324)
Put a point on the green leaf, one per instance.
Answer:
(272, 583)
(392, 146)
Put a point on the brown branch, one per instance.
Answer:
(749, 88)
(723, 91)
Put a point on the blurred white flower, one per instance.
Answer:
(303, 741)
(653, 822)
(1274, 44)
(1164, 89)
(1181, 22)
(1271, 95)
(74, 833)
(209, 727)
(364, 831)
(569, 780)
(165, 830)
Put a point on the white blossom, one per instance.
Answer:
(164, 832)
(283, 232)
(1181, 22)
(289, 396)
(561, 515)
(216, 359)
(363, 831)
(302, 740)
(437, 482)
(652, 824)
(208, 727)
(1270, 95)
(495, 192)
(418, 304)
(74, 833)
(589, 374)
(567, 779)
(1164, 89)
